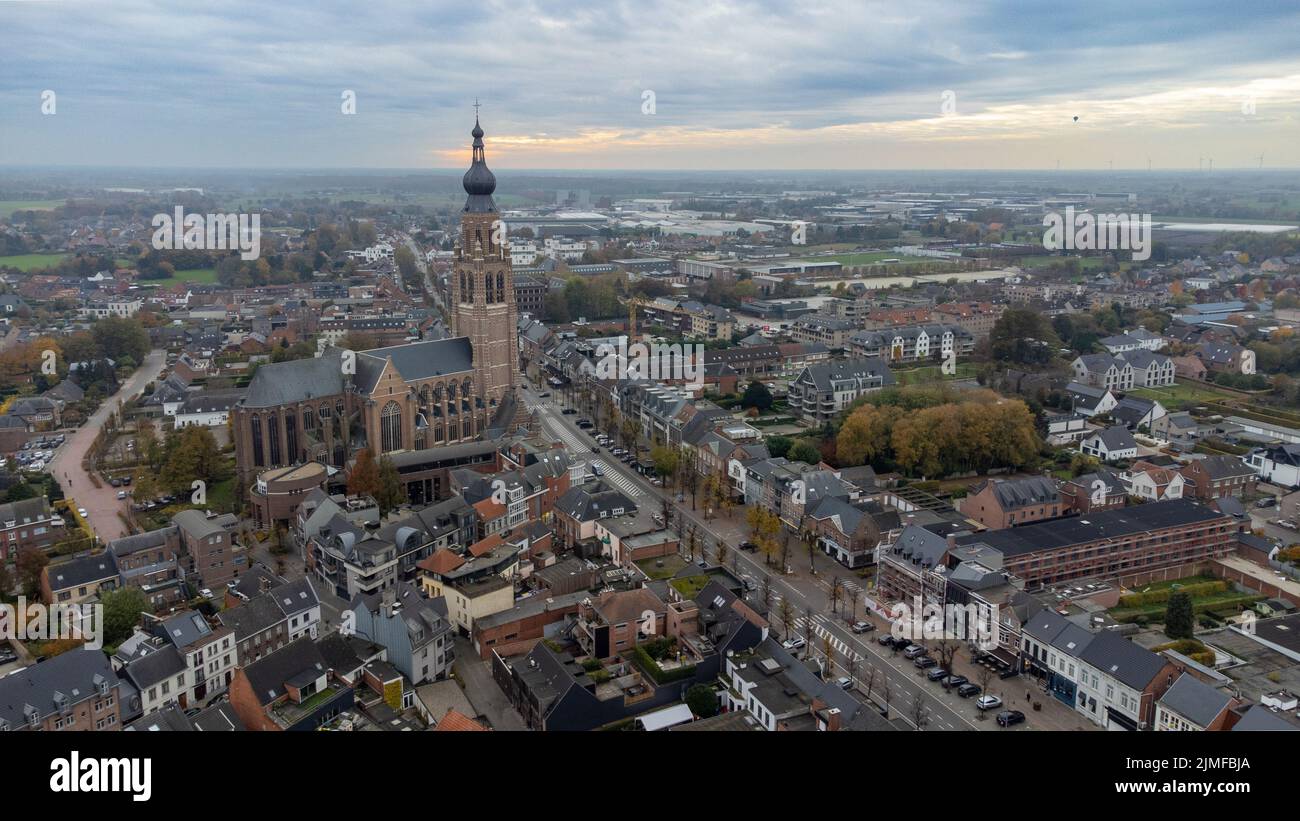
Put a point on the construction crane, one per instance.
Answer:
(633, 303)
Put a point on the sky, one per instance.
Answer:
(646, 85)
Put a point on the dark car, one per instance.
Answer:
(924, 662)
(1008, 717)
(750, 546)
(937, 674)
(885, 640)
(956, 681)
(1010, 672)
(967, 690)
(568, 411)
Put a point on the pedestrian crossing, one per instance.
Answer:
(618, 480)
(575, 444)
(821, 630)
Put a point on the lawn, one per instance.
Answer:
(671, 564)
(690, 586)
(7, 207)
(875, 257)
(1086, 263)
(203, 276)
(32, 262)
(929, 373)
(1181, 395)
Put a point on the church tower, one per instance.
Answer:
(482, 285)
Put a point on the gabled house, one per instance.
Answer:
(999, 503)
(1110, 444)
(414, 630)
(1211, 477)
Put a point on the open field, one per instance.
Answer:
(1085, 263)
(7, 207)
(930, 373)
(204, 276)
(875, 257)
(32, 262)
(1182, 395)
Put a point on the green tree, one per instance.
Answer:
(702, 700)
(31, 561)
(118, 337)
(804, 451)
(1178, 616)
(391, 491)
(1023, 336)
(757, 396)
(666, 461)
(122, 609)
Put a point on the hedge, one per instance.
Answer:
(660, 675)
(1137, 600)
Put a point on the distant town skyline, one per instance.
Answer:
(929, 85)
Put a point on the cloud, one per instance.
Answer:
(743, 84)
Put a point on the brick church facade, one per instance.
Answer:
(407, 397)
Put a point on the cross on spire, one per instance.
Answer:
(476, 105)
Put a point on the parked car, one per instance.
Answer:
(886, 640)
(1268, 501)
(988, 702)
(844, 683)
(793, 643)
(126, 481)
(115, 482)
(967, 690)
(81, 511)
(937, 674)
(750, 546)
(913, 650)
(924, 662)
(956, 681)
(121, 494)
(863, 627)
(1006, 718)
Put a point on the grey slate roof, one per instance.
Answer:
(93, 568)
(75, 674)
(1195, 700)
(417, 360)
(283, 383)
(1116, 656)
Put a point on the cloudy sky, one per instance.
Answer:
(681, 84)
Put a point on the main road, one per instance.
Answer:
(100, 503)
(943, 709)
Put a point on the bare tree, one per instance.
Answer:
(945, 652)
(851, 663)
(984, 676)
(808, 625)
(837, 592)
(767, 591)
(887, 692)
(919, 713)
(720, 553)
(828, 650)
(786, 613)
(870, 680)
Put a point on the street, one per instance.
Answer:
(943, 709)
(101, 503)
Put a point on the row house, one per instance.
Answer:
(1000, 503)
(1213, 477)
(826, 330)
(822, 392)
(1105, 371)
(1108, 679)
(1150, 370)
(1111, 543)
(913, 343)
(976, 318)
(76, 690)
(28, 523)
